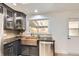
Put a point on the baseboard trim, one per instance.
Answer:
(66, 54)
(60, 54)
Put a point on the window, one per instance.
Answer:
(38, 26)
(74, 28)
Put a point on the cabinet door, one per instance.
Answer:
(20, 21)
(9, 18)
(33, 51)
(25, 51)
(1, 9)
(6, 50)
(9, 49)
(18, 47)
(24, 22)
(29, 50)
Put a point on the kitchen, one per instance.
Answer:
(39, 29)
(16, 42)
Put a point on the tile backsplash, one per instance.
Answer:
(9, 34)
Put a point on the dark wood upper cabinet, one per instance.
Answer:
(20, 21)
(9, 19)
(1, 9)
(13, 20)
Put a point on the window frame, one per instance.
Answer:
(73, 20)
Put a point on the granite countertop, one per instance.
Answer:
(27, 39)
(23, 38)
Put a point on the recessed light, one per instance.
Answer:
(35, 10)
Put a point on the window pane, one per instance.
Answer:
(41, 22)
(74, 24)
(73, 32)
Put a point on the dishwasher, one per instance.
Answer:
(46, 46)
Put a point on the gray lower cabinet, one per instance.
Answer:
(12, 49)
(15, 49)
(9, 49)
(33, 51)
(25, 51)
(29, 50)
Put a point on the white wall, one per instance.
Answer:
(58, 26)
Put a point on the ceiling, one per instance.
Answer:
(29, 8)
